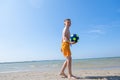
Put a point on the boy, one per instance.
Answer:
(65, 49)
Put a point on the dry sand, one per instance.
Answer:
(82, 74)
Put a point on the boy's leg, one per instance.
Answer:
(69, 62)
(63, 69)
(69, 65)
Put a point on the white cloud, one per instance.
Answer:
(96, 31)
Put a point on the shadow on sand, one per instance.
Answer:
(100, 77)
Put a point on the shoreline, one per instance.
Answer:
(50, 70)
(9, 62)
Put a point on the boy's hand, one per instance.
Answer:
(61, 49)
(72, 42)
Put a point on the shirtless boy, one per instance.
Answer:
(65, 49)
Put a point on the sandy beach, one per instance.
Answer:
(84, 69)
(82, 74)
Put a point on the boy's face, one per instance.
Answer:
(67, 23)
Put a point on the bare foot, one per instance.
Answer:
(63, 75)
(72, 77)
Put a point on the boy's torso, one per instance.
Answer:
(66, 32)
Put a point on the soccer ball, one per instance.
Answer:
(74, 38)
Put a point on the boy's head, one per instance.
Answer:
(67, 22)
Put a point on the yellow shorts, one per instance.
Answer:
(66, 49)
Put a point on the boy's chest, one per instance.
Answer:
(67, 33)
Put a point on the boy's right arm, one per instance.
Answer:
(72, 42)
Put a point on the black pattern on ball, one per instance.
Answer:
(74, 38)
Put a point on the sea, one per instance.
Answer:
(55, 65)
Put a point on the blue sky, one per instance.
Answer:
(31, 29)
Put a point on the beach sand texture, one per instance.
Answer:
(82, 74)
(86, 69)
